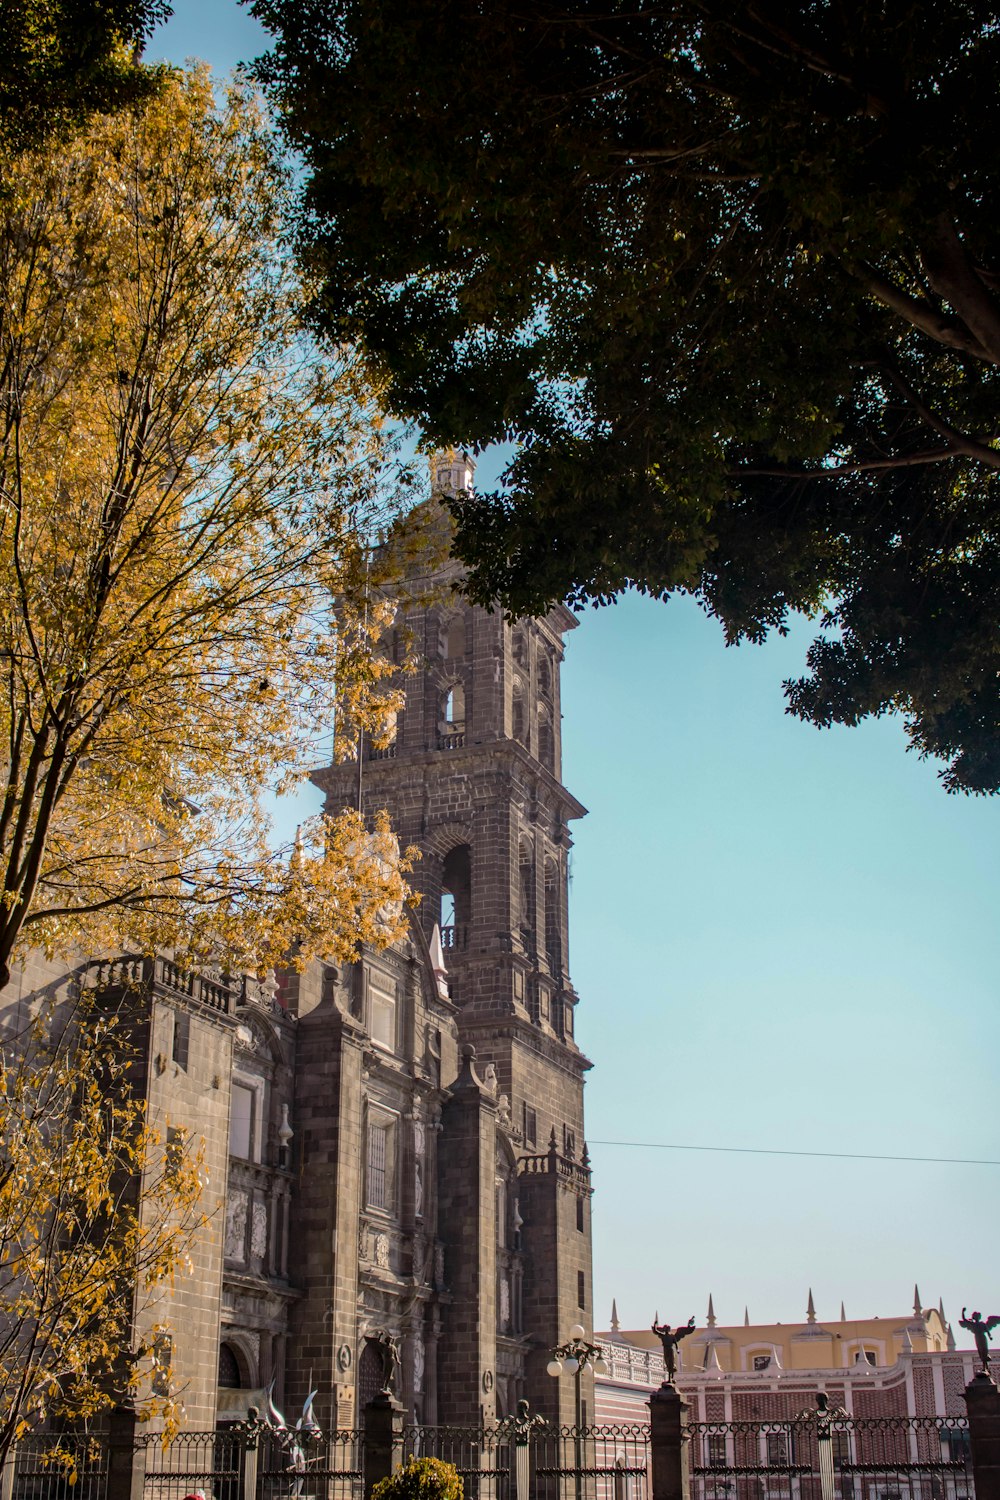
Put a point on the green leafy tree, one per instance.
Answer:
(726, 275)
(64, 60)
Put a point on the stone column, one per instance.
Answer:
(983, 1400)
(668, 1416)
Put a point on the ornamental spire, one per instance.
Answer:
(615, 1325)
(811, 1308)
(710, 1320)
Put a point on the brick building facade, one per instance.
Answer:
(870, 1368)
(401, 1139)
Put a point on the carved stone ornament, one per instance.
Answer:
(382, 1251)
(258, 1229)
(418, 1364)
(487, 1381)
(236, 1224)
(504, 1303)
(344, 1358)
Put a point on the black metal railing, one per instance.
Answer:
(331, 1467)
(70, 1467)
(209, 1462)
(560, 1463)
(837, 1458)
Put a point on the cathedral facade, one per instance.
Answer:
(401, 1139)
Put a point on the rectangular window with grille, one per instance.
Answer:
(381, 1161)
(716, 1450)
(530, 1126)
(779, 1450)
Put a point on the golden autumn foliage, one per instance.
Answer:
(96, 1213)
(186, 487)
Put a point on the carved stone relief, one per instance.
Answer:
(236, 1225)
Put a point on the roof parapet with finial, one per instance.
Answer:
(810, 1308)
(710, 1319)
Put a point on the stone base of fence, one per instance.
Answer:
(126, 1457)
(668, 1415)
(383, 1440)
(983, 1400)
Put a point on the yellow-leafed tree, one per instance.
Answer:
(96, 1213)
(185, 484)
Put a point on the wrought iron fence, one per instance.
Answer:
(328, 1468)
(835, 1458)
(555, 1463)
(69, 1467)
(608, 1462)
(193, 1462)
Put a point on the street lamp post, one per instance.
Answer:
(572, 1358)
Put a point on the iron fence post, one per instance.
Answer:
(126, 1455)
(668, 1417)
(383, 1439)
(248, 1465)
(983, 1401)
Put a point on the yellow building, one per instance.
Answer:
(833, 1344)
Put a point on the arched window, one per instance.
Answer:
(456, 897)
(369, 1376)
(526, 878)
(546, 741)
(453, 715)
(519, 717)
(553, 918)
(230, 1378)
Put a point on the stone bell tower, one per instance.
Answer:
(473, 779)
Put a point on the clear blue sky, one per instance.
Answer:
(781, 938)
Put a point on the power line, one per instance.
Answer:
(951, 1161)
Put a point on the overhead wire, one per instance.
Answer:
(953, 1161)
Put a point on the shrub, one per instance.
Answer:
(421, 1479)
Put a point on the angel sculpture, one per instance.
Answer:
(670, 1338)
(982, 1331)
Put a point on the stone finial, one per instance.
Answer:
(950, 1345)
(811, 1308)
(553, 1142)
(285, 1132)
(907, 1342)
(746, 1316)
(712, 1366)
(615, 1325)
(843, 1315)
(710, 1318)
(917, 1309)
(468, 1077)
(941, 1309)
